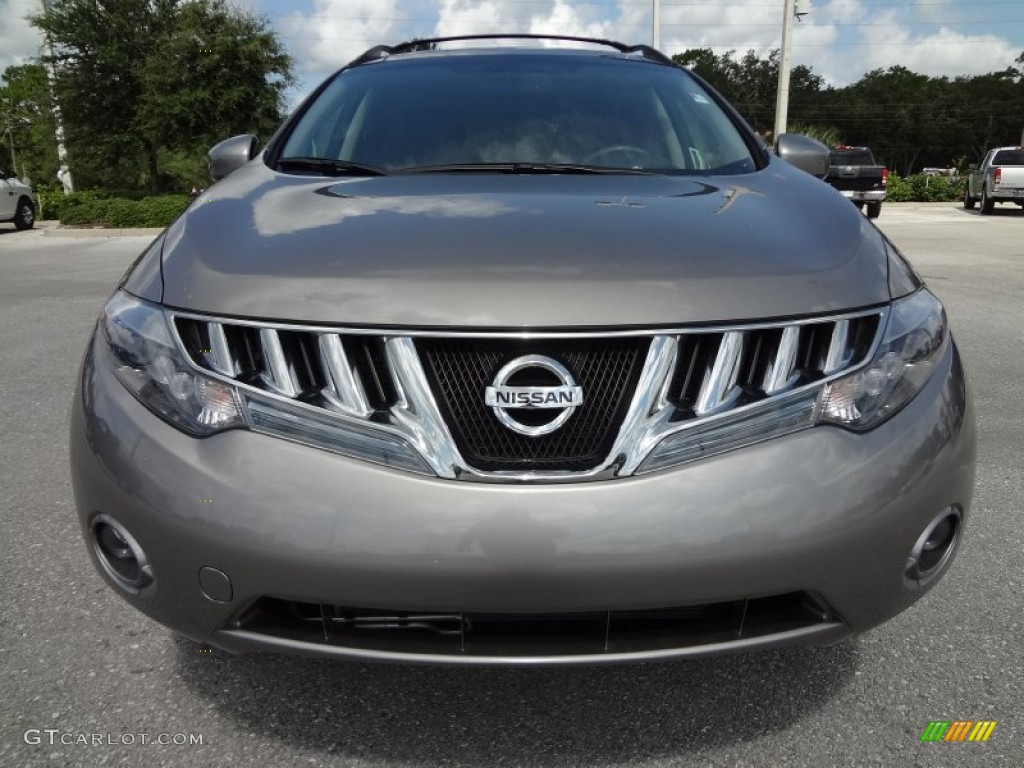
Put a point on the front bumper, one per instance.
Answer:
(825, 512)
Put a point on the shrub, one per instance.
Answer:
(921, 188)
(898, 189)
(81, 213)
(92, 208)
(54, 203)
(120, 213)
(161, 211)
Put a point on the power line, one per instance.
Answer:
(717, 25)
(883, 4)
(731, 46)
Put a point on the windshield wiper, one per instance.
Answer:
(523, 168)
(329, 167)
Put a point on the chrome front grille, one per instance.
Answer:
(349, 375)
(721, 370)
(427, 388)
(459, 370)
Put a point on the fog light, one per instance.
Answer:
(120, 555)
(934, 547)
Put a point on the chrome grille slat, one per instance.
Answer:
(221, 358)
(838, 348)
(344, 390)
(688, 378)
(719, 390)
(781, 375)
(278, 375)
(417, 409)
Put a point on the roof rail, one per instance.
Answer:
(383, 51)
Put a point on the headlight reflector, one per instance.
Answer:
(148, 363)
(912, 344)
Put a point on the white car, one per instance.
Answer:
(16, 203)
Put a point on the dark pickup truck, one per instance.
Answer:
(853, 171)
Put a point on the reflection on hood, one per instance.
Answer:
(280, 211)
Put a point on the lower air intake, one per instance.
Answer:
(532, 635)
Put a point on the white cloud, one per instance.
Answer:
(885, 40)
(336, 31)
(943, 53)
(19, 40)
(564, 19)
(465, 17)
(837, 11)
(844, 39)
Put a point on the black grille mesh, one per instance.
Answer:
(460, 370)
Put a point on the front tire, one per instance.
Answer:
(987, 203)
(968, 200)
(25, 217)
(874, 210)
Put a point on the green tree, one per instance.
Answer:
(894, 112)
(995, 115)
(26, 124)
(909, 120)
(721, 72)
(828, 135)
(752, 82)
(145, 86)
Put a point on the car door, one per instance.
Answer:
(8, 199)
(983, 171)
(974, 179)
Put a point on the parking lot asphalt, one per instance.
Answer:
(75, 658)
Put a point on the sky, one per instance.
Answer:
(839, 39)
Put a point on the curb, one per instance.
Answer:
(56, 230)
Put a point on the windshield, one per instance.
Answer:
(519, 108)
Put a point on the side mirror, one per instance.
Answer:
(805, 153)
(231, 154)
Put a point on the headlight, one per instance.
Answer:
(912, 344)
(148, 363)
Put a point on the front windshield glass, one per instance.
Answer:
(467, 109)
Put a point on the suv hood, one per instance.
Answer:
(512, 251)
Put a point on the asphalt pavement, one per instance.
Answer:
(78, 664)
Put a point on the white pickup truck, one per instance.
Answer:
(999, 179)
(16, 201)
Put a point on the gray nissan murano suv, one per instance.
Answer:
(521, 354)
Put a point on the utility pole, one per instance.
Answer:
(656, 25)
(64, 174)
(782, 98)
(1020, 60)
